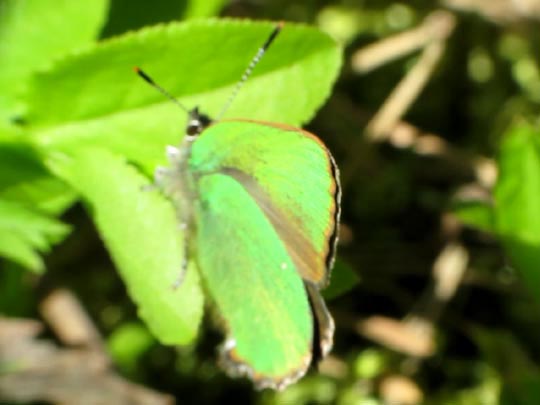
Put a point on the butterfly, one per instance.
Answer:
(260, 205)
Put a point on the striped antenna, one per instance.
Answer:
(156, 86)
(250, 68)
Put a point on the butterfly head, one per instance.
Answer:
(197, 122)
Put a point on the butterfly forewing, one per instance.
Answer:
(291, 176)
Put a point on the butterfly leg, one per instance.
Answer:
(159, 180)
(186, 227)
(180, 279)
(160, 176)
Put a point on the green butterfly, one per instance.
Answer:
(260, 205)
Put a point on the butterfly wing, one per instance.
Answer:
(250, 275)
(293, 178)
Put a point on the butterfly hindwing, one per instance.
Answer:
(252, 280)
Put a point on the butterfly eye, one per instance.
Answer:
(197, 122)
(193, 128)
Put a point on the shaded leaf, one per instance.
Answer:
(203, 8)
(25, 232)
(131, 15)
(344, 279)
(475, 214)
(24, 179)
(520, 376)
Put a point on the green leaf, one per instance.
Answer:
(131, 15)
(476, 214)
(127, 344)
(141, 232)
(25, 232)
(203, 8)
(33, 32)
(344, 279)
(520, 375)
(25, 180)
(485, 389)
(517, 196)
(17, 290)
(98, 100)
(370, 363)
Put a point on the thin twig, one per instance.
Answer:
(37, 370)
(70, 322)
(405, 93)
(436, 27)
(499, 11)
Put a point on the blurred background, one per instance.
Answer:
(431, 304)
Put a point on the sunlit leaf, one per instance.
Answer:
(517, 197)
(142, 234)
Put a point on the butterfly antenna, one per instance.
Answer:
(250, 67)
(156, 86)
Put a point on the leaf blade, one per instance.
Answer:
(288, 85)
(34, 32)
(141, 232)
(517, 196)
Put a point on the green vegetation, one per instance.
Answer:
(436, 289)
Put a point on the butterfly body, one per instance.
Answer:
(260, 204)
